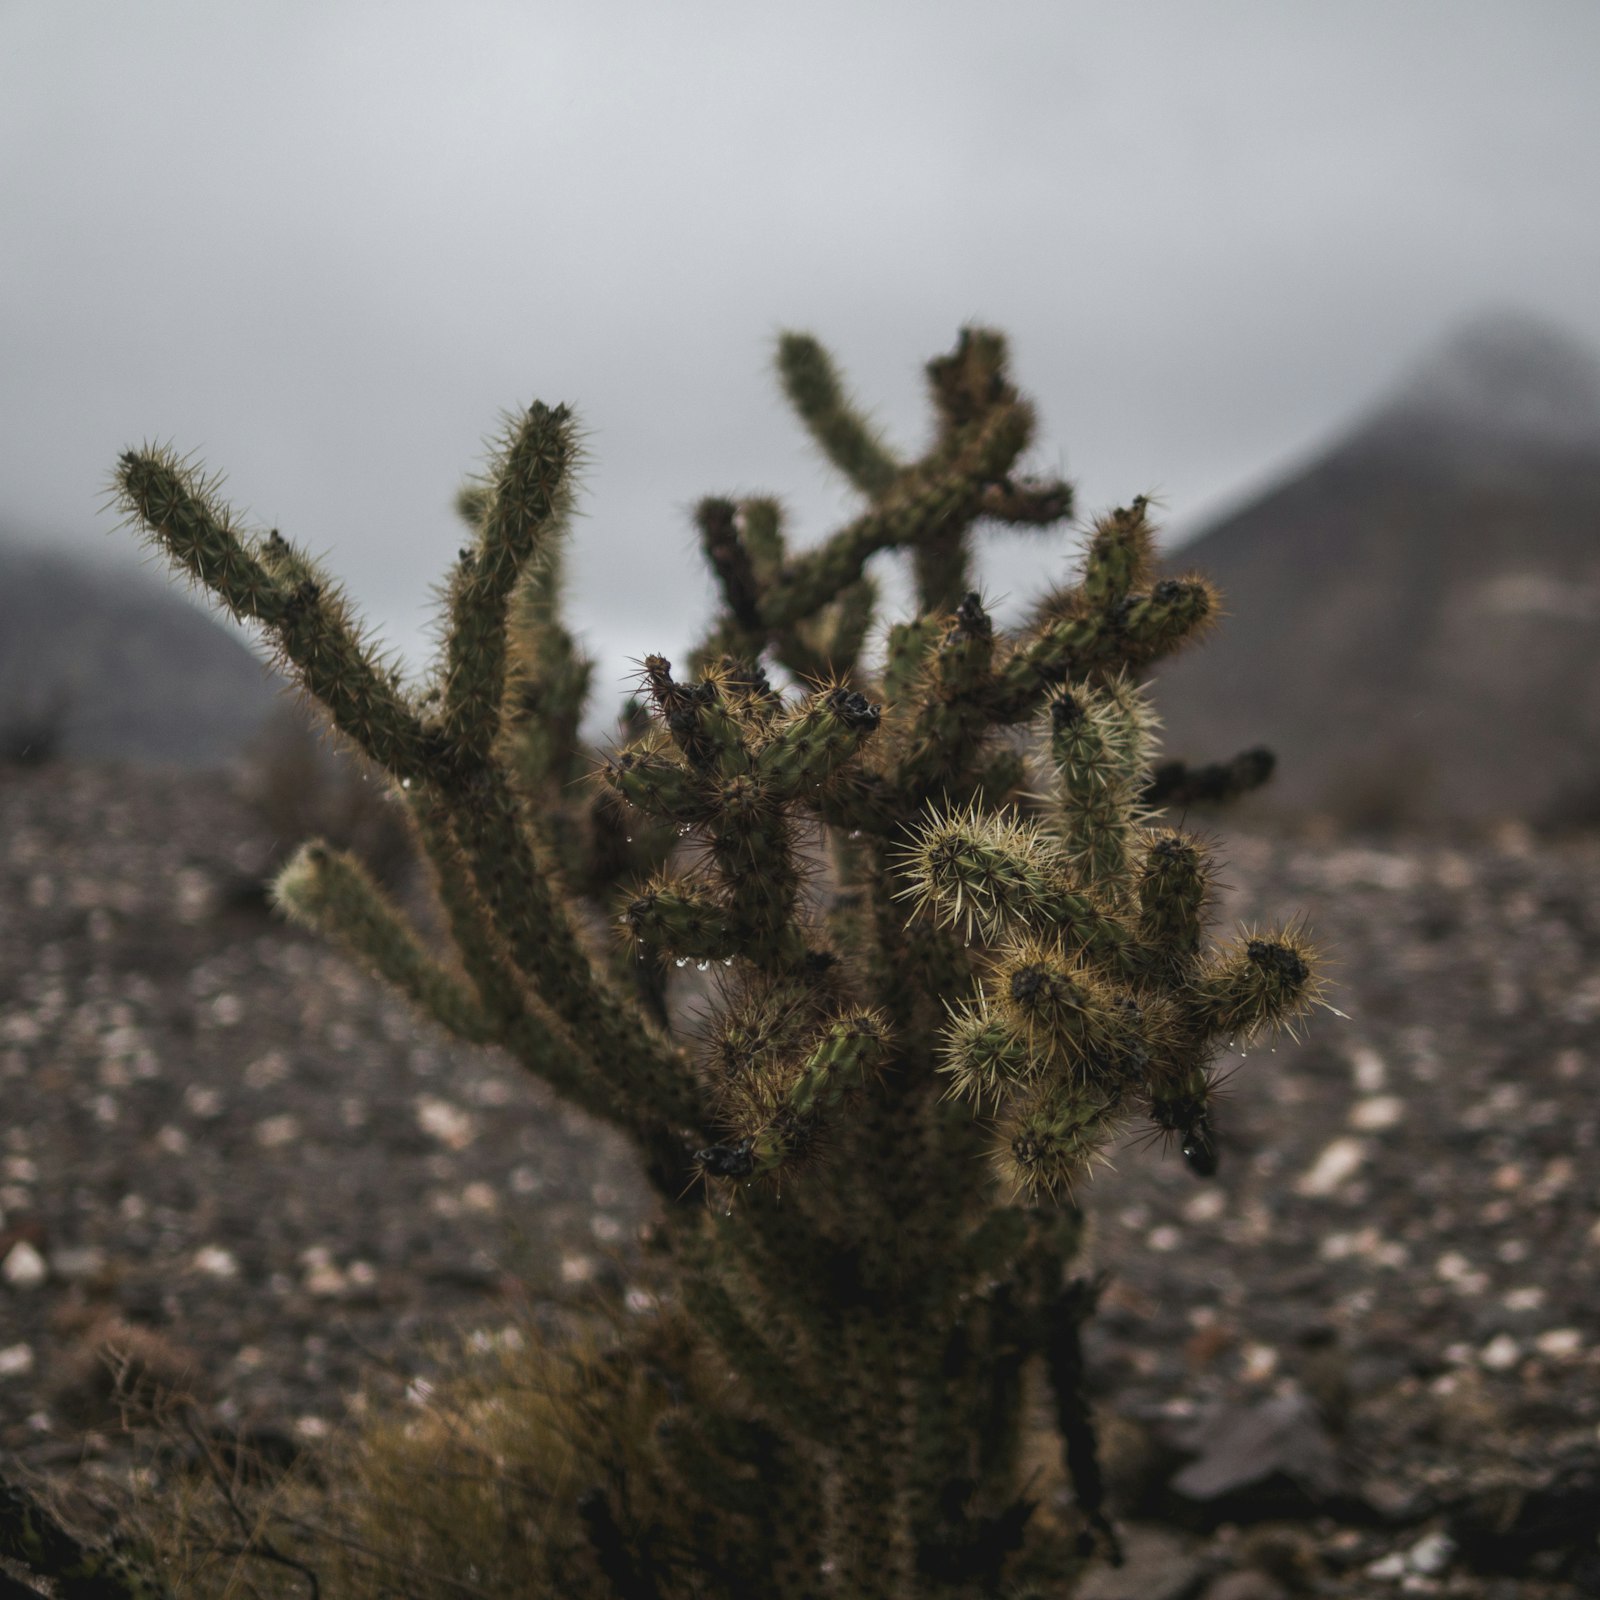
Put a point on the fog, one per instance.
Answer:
(324, 246)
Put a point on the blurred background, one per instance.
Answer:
(1322, 279)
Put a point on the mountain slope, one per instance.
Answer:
(120, 667)
(1415, 617)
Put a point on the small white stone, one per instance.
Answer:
(24, 1267)
(200, 1101)
(1206, 1206)
(16, 1361)
(173, 1141)
(1559, 1344)
(1431, 1554)
(1377, 1112)
(215, 1262)
(1529, 1298)
(1260, 1362)
(1339, 1161)
(1367, 1067)
(576, 1269)
(274, 1132)
(1501, 1353)
(449, 1124)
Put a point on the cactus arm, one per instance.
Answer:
(538, 933)
(924, 508)
(839, 429)
(331, 892)
(1178, 783)
(309, 620)
(529, 498)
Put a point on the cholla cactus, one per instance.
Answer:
(950, 961)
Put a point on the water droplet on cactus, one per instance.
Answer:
(630, 838)
(683, 828)
(682, 961)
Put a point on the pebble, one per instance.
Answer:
(24, 1267)
(215, 1262)
(1431, 1554)
(1339, 1161)
(274, 1132)
(1501, 1353)
(1559, 1344)
(1377, 1112)
(449, 1124)
(16, 1361)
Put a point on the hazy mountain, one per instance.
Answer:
(114, 664)
(1414, 617)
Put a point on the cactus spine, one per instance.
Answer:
(952, 960)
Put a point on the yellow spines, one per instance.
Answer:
(983, 1055)
(982, 872)
(1174, 886)
(1121, 554)
(776, 1110)
(1094, 752)
(1054, 1002)
(1051, 1135)
(1257, 984)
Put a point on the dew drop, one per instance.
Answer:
(727, 961)
(630, 838)
(682, 961)
(405, 783)
(701, 966)
(855, 833)
(683, 828)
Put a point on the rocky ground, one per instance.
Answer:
(1365, 1358)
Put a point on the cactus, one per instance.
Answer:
(951, 957)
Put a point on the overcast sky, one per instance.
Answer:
(325, 244)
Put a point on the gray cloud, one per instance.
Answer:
(325, 245)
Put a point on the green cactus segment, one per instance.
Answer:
(660, 785)
(332, 893)
(984, 1056)
(923, 508)
(896, 958)
(692, 926)
(1051, 1136)
(809, 747)
(1052, 1001)
(1256, 985)
(841, 432)
(776, 1116)
(1096, 792)
(529, 500)
(309, 620)
(1121, 556)
(1174, 885)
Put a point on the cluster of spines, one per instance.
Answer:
(1089, 1013)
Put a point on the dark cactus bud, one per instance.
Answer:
(1065, 712)
(853, 710)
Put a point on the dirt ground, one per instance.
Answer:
(1363, 1359)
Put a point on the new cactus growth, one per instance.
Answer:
(951, 960)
